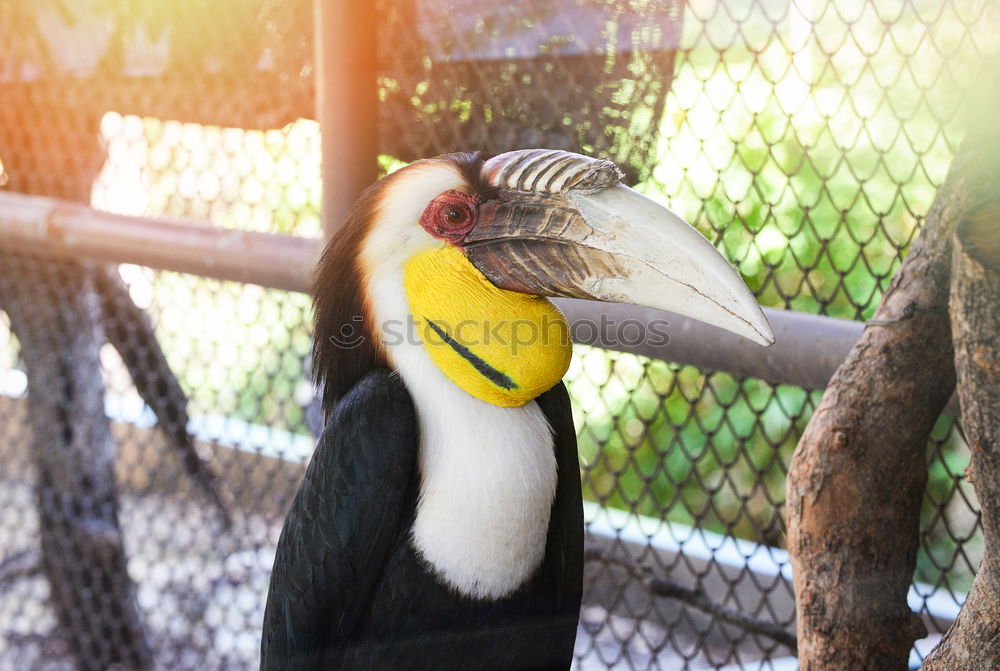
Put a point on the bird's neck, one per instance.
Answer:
(488, 473)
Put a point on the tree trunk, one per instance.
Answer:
(858, 474)
(973, 641)
(62, 312)
(56, 315)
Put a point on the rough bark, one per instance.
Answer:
(56, 315)
(855, 482)
(62, 312)
(973, 641)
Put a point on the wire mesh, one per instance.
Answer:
(806, 138)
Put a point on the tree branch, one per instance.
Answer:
(859, 471)
(857, 477)
(20, 565)
(972, 643)
(668, 589)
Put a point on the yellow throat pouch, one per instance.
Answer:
(501, 346)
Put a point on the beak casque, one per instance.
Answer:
(562, 224)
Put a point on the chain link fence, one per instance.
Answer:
(155, 423)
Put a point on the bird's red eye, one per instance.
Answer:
(450, 216)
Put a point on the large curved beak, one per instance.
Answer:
(562, 224)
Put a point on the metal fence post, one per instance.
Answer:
(346, 98)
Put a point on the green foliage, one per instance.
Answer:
(813, 181)
(674, 442)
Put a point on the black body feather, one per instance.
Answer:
(349, 592)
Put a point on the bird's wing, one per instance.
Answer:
(565, 541)
(341, 524)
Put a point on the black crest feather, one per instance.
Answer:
(344, 348)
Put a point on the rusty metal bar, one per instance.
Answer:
(346, 101)
(37, 225)
(807, 350)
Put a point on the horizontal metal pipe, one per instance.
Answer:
(37, 225)
(807, 350)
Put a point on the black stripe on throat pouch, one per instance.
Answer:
(489, 372)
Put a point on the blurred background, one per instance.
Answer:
(805, 138)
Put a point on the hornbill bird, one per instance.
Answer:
(439, 523)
